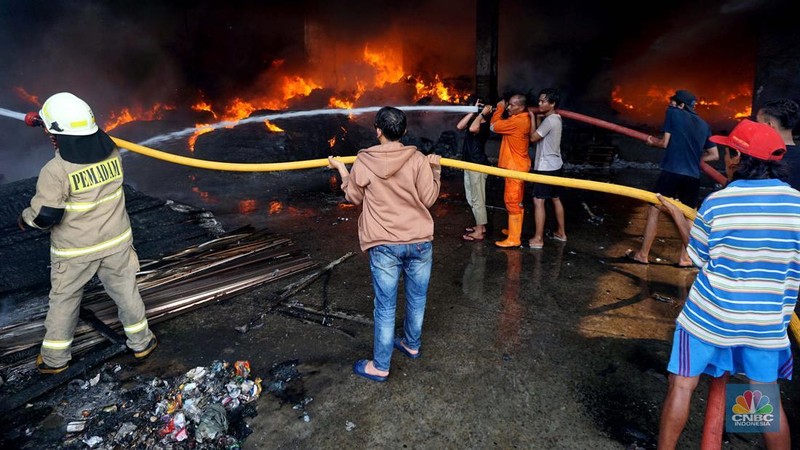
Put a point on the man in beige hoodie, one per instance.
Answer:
(395, 184)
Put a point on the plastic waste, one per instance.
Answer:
(212, 422)
(242, 368)
(197, 373)
(92, 441)
(76, 426)
(124, 430)
(179, 412)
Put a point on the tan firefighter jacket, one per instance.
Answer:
(95, 223)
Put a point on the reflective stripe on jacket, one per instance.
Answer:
(95, 223)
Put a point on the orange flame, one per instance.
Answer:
(247, 206)
(293, 86)
(345, 103)
(296, 86)
(388, 66)
(203, 106)
(275, 207)
(437, 89)
(202, 128)
(332, 141)
(746, 114)
(23, 94)
(617, 99)
(272, 127)
(647, 103)
(238, 109)
(340, 103)
(205, 196)
(126, 115)
(378, 65)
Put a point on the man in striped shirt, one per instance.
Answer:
(746, 241)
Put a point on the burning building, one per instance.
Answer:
(203, 62)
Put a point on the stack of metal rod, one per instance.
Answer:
(173, 285)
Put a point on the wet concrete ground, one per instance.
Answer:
(564, 347)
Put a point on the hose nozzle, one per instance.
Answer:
(33, 119)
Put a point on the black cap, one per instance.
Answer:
(685, 97)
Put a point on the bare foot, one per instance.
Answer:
(534, 243)
(403, 343)
(370, 369)
(636, 257)
(474, 236)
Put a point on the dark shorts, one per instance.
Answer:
(684, 188)
(541, 190)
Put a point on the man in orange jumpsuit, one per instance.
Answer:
(515, 128)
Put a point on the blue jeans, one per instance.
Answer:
(386, 263)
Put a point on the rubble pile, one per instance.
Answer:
(203, 409)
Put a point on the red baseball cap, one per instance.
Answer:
(758, 140)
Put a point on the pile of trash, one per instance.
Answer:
(196, 407)
(202, 409)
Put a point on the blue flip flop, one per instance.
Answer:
(398, 344)
(360, 369)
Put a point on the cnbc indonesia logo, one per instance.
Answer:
(752, 409)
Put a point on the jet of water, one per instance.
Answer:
(283, 115)
(12, 114)
(293, 114)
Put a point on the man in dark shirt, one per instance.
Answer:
(686, 139)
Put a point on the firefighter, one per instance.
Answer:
(80, 200)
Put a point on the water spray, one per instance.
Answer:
(689, 213)
(12, 114)
(295, 114)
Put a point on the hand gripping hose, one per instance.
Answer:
(704, 166)
(313, 163)
(575, 183)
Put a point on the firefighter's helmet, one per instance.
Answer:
(64, 113)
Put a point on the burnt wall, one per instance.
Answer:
(778, 66)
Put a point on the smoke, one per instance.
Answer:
(87, 48)
(116, 54)
(137, 54)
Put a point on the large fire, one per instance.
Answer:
(388, 66)
(382, 67)
(126, 115)
(646, 104)
(377, 67)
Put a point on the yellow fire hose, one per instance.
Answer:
(313, 163)
(598, 186)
